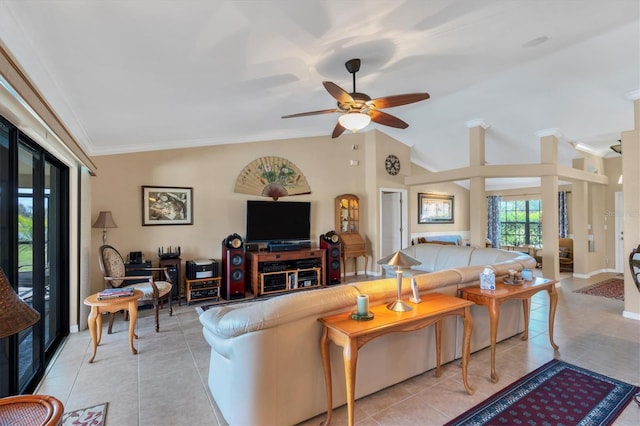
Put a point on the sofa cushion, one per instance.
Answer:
(235, 320)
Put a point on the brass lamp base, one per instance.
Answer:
(399, 306)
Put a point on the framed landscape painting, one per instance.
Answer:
(435, 208)
(167, 205)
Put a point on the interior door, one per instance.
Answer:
(393, 217)
(619, 231)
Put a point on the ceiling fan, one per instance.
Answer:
(358, 109)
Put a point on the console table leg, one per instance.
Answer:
(494, 317)
(467, 321)
(553, 301)
(438, 330)
(326, 366)
(526, 306)
(350, 356)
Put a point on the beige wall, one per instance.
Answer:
(219, 211)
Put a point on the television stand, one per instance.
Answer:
(286, 271)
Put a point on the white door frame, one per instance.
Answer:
(619, 231)
(404, 216)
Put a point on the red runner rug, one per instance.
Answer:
(557, 393)
(612, 288)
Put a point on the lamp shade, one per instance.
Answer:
(399, 260)
(105, 220)
(354, 121)
(15, 315)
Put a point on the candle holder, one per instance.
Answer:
(399, 260)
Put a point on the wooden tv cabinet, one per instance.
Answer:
(287, 265)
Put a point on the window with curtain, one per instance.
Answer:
(520, 222)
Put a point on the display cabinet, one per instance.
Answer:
(347, 213)
(348, 226)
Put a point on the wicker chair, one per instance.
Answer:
(37, 410)
(154, 291)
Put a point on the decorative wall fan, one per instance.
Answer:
(358, 109)
(273, 177)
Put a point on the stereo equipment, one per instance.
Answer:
(308, 263)
(233, 276)
(307, 278)
(274, 282)
(202, 268)
(273, 246)
(171, 253)
(272, 266)
(331, 243)
(135, 257)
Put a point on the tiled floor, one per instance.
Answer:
(166, 383)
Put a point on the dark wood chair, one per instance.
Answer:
(154, 291)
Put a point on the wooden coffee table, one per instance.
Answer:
(492, 299)
(352, 335)
(98, 307)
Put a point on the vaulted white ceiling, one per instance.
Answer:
(141, 75)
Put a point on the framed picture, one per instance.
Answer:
(435, 208)
(167, 205)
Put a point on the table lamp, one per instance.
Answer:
(104, 221)
(399, 260)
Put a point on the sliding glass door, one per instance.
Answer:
(33, 231)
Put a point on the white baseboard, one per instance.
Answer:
(631, 315)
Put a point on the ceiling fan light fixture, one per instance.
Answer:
(354, 121)
(617, 148)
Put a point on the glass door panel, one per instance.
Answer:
(27, 284)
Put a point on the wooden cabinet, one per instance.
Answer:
(274, 272)
(202, 289)
(348, 226)
(173, 266)
(347, 213)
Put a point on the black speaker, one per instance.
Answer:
(233, 276)
(331, 242)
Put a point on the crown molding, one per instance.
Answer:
(477, 122)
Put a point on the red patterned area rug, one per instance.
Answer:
(90, 416)
(557, 393)
(612, 288)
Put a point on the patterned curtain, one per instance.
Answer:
(563, 218)
(493, 219)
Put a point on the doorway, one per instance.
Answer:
(394, 218)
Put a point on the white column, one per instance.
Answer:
(631, 201)
(549, 186)
(477, 194)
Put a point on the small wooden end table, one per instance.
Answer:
(98, 307)
(352, 335)
(492, 299)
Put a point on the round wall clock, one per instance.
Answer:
(392, 165)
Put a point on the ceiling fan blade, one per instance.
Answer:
(341, 95)
(338, 130)
(397, 100)
(304, 114)
(387, 119)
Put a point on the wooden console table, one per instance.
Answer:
(492, 299)
(352, 335)
(282, 262)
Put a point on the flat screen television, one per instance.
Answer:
(282, 221)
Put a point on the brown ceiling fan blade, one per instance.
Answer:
(338, 130)
(387, 119)
(341, 95)
(304, 114)
(397, 100)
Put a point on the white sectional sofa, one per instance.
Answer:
(266, 368)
